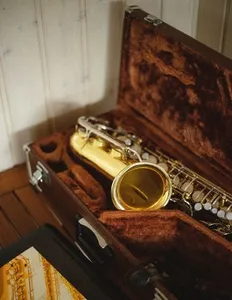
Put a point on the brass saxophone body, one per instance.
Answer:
(16, 280)
(147, 180)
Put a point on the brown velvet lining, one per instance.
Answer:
(188, 253)
(170, 238)
(173, 97)
(185, 94)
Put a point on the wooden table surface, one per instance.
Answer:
(22, 210)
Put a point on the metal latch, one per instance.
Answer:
(153, 19)
(92, 245)
(132, 8)
(40, 174)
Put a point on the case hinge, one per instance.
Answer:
(153, 19)
(40, 174)
(132, 8)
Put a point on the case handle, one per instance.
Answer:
(92, 245)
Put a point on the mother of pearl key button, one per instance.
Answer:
(198, 206)
(153, 159)
(163, 166)
(214, 210)
(229, 216)
(187, 187)
(145, 156)
(207, 206)
(221, 214)
(197, 196)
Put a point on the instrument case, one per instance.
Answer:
(176, 94)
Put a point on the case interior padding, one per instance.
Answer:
(181, 86)
(177, 97)
(171, 238)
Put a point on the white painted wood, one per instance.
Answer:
(61, 40)
(210, 27)
(227, 40)
(22, 74)
(151, 6)
(5, 149)
(181, 14)
(60, 59)
(104, 28)
(104, 32)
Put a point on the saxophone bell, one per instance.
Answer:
(141, 186)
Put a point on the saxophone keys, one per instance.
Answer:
(214, 210)
(198, 196)
(207, 206)
(148, 157)
(215, 205)
(229, 216)
(221, 207)
(221, 214)
(229, 213)
(198, 206)
(153, 159)
(164, 166)
(128, 142)
(187, 187)
(137, 148)
(12, 281)
(145, 156)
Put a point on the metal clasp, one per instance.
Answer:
(40, 174)
(153, 19)
(132, 8)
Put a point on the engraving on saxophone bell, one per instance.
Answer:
(149, 180)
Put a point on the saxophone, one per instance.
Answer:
(53, 279)
(16, 280)
(147, 180)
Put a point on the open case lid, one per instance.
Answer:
(180, 86)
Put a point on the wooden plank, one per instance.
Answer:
(36, 207)
(211, 22)
(60, 38)
(13, 178)
(104, 21)
(22, 71)
(227, 41)
(5, 150)
(16, 213)
(181, 14)
(150, 6)
(8, 234)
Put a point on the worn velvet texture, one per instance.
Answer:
(180, 101)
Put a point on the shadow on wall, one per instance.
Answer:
(63, 121)
(70, 110)
(116, 14)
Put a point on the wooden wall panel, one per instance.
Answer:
(103, 38)
(24, 105)
(5, 150)
(60, 59)
(227, 40)
(152, 6)
(181, 14)
(211, 18)
(104, 32)
(61, 40)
